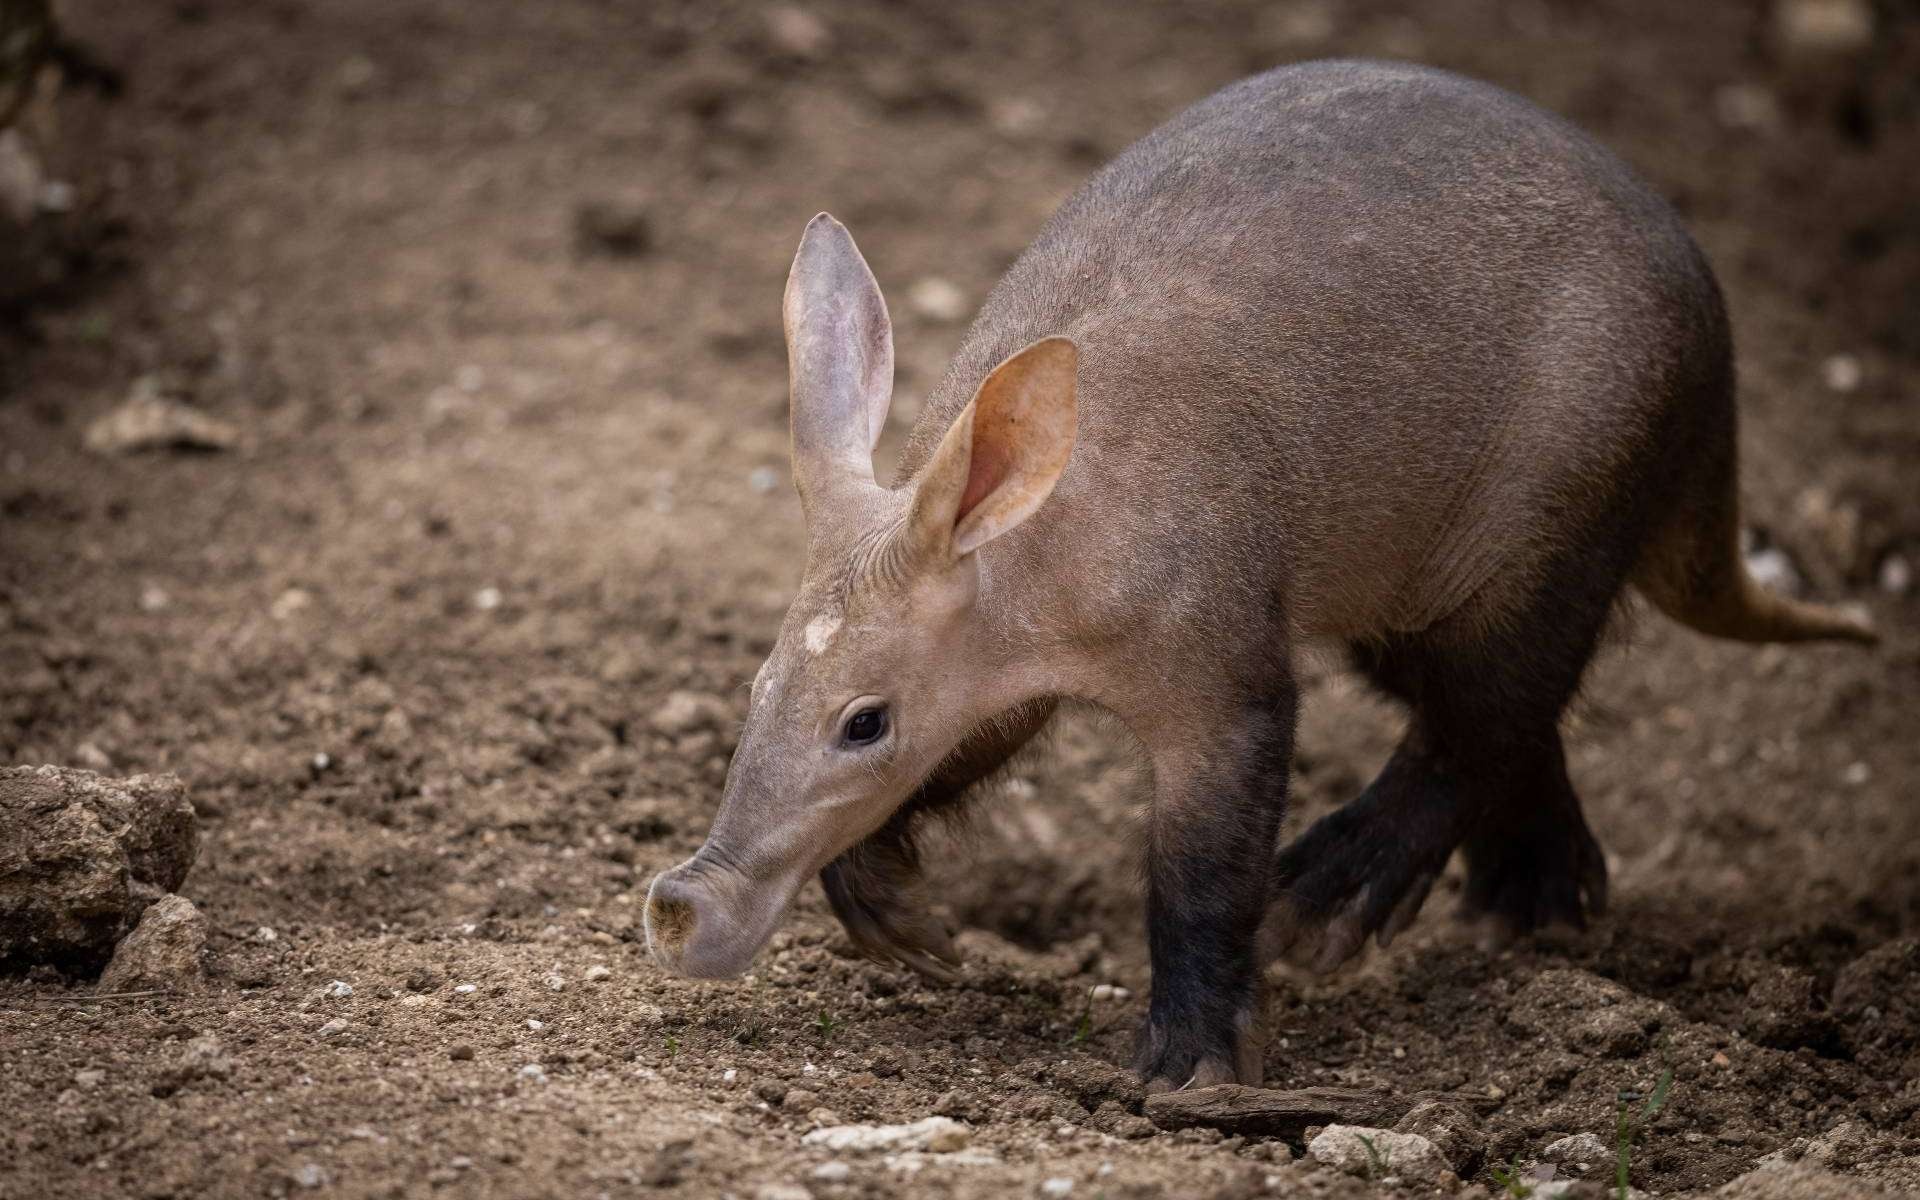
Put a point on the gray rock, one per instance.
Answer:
(1591, 1015)
(1379, 1154)
(83, 858)
(163, 951)
(1582, 1151)
(938, 1134)
(1453, 1129)
(202, 1058)
(1783, 1010)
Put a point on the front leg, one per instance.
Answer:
(1220, 786)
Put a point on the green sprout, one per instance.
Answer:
(1377, 1162)
(1626, 1127)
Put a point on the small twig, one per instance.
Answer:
(97, 996)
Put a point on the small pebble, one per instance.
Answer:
(336, 1026)
(487, 599)
(90, 1078)
(597, 972)
(339, 989)
(937, 299)
(465, 989)
(461, 1052)
(534, 1072)
(536, 1026)
(556, 983)
(1896, 575)
(729, 1075)
(311, 1175)
(797, 32)
(832, 1171)
(1059, 1185)
(265, 935)
(1841, 373)
(1720, 1059)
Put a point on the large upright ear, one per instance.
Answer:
(1003, 454)
(839, 360)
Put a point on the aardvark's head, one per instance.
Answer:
(884, 662)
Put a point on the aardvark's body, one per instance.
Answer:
(1350, 352)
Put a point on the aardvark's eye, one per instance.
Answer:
(866, 726)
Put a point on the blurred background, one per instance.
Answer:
(393, 445)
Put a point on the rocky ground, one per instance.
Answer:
(456, 449)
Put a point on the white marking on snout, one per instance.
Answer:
(820, 631)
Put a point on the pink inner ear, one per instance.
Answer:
(989, 469)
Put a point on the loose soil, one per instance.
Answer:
(492, 290)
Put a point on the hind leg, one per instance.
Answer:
(1481, 768)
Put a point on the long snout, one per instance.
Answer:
(706, 920)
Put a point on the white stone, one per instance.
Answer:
(1582, 1150)
(1842, 373)
(937, 299)
(311, 1175)
(1404, 1156)
(832, 1171)
(339, 989)
(1059, 1185)
(1896, 575)
(597, 972)
(937, 1134)
(798, 32)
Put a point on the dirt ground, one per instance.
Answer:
(491, 291)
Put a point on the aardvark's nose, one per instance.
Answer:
(693, 925)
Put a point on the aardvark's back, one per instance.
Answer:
(1372, 336)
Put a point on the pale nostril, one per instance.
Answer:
(669, 919)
